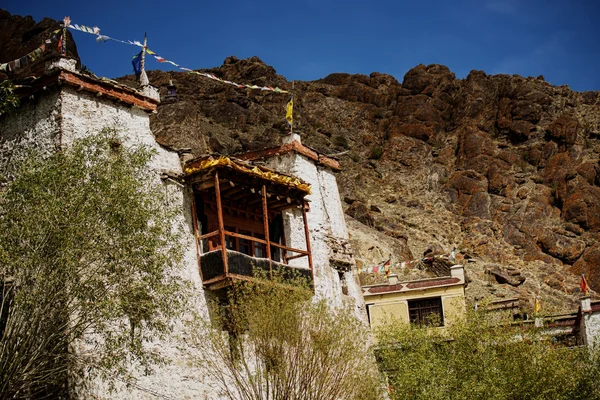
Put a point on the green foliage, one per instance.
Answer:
(8, 99)
(281, 344)
(88, 240)
(341, 141)
(482, 358)
(376, 153)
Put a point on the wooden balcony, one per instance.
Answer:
(219, 268)
(236, 203)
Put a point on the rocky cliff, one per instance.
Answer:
(505, 168)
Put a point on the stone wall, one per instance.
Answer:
(36, 125)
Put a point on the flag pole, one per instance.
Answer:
(143, 76)
(292, 124)
(66, 22)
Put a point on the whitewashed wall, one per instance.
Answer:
(591, 323)
(181, 378)
(328, 233)
(34, 126)
(56, 119)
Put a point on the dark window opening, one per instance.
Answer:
(244, 243)
(426, 312)
(260, 250)
(230, 242)
(343, 282)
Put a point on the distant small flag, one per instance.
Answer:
(537, 306)
(289, 111)
(386, 266)
(584, 286)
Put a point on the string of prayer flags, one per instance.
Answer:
(21, 62)
(99, 37)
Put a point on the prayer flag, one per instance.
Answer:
(137, 64)
(537, 306)
(289, 111)
(60, 44)
(584, 286)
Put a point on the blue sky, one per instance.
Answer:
(307, 40)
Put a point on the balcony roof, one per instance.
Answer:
(245, 182)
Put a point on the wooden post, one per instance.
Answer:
(143, 77)
(284, 255)
(307, 235)
(221, 224)
(195, 219)
(266, 224)
(66, 23)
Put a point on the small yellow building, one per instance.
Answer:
(432, 302)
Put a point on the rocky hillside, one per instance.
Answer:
(505, 168)
(502, 167)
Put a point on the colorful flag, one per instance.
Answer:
(137, 64)
(537, 306)
(376, 269)
(289, 111)
(584, 286)
(60, 45)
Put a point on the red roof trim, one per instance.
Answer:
(109, 90)
(295, 146)
(383, 289)
(437, 282)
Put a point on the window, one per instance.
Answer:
(260, 250)
(426, 312)
(230, 240)
(245, 243)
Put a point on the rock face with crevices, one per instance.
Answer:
(503, 167)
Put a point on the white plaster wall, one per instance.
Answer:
(325, 220)
(333, 203)
(80, 114)
(34, 126)
(592, 328)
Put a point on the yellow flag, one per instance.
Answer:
(289, 110)
(537, 306)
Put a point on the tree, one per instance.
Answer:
(268, 340)
(483, 358)
(88, 249)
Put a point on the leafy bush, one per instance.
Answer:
(280, 344)
(483, 358)
(88, 245)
